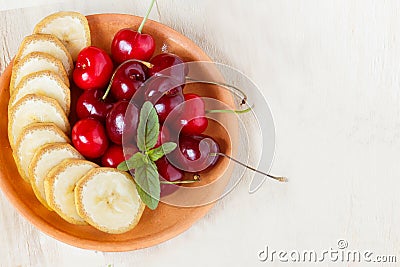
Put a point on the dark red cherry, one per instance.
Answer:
(166, 60)
(169, 173)
(93, 68)
(113, 156)
(89, 138)
(116, 124)
(192, 120)
(163, 137)
(128, 78)
(130, 44)
(195, 153)
(90, 105)
(165, 93)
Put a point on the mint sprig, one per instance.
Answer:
(146, 173)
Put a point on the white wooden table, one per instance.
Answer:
(330, 71)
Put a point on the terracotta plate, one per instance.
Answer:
(155, 226)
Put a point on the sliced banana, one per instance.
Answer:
(31, 109)
(72, 28)
(34, 62)
(45, 43)
(31, 138)
(45, 83)
(59, 187)
(46, 158)
(108, 200)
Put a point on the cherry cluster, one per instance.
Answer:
(116, 85)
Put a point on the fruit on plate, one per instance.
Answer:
(108, 200)
(93, 68)
(91, 105)
(31, 138)
(46, 158)
(59, 185)
(113, 156)
(130, 44)
(128, 78)
(45, 43)
(89, 138)
(34, 62)
(71, 28)
(35, 108)
(46, 83)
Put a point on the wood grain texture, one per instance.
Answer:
(330, 71)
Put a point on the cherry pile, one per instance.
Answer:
(116, 86)
(110, 83)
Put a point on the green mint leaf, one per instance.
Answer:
(134, 162)
(166, 148)
(148, 184)
(148, 128)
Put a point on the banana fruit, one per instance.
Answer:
(32, 137)
(71, 28)
(59, 185)
(79, 191)
(108, 200)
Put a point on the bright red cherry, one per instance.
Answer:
(192, 120)
(93, 68)
(130, 44)
(89, 138)
(91, 105)
(128, 78)
(166, 60)
(113, 156)
(116, 124)
(195, 153)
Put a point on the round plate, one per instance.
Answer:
(155, 226)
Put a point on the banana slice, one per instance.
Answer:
(45, 43)
(45, 158)
(45, 83)
(31, 109)
(34, 62)
(32, 137)
(59, 187)
(108, 200)
(72, 28)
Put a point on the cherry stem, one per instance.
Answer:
(280, 179)
(229, 110)
(146, 17)
(147, 64)
(235, 89)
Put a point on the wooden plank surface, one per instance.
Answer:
(330, 72)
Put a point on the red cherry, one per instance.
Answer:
(166, 60)
(192, 120)
(194, 153)
(128, 78)
(89, 138)
(113, 156)
(90, 105)
(130, 44)
(165, 93)
(168, 172)
(116, 124)
(93, 68)
(163, 137)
